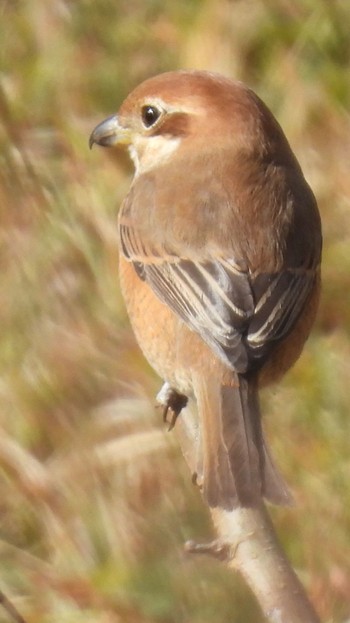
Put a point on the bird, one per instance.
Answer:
(220, 251)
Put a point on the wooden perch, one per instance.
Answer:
(247, 542)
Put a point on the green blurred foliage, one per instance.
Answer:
(96, 502)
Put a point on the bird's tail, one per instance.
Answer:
(237, 466)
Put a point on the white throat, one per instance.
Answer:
(152, 151)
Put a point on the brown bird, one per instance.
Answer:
(220, 250)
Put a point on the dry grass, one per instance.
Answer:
(96, 501)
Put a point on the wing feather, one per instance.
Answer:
(239, 315)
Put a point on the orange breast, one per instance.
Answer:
(158, 331)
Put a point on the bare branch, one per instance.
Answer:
(247, 542)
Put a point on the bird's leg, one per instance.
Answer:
(171, 402)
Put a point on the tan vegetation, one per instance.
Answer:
(95, 500)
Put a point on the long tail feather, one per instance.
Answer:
(237, 467)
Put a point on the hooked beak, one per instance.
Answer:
(109, 132)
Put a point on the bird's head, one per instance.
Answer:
(188, 111)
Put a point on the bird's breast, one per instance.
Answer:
(158, 331)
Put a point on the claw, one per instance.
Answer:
(172, 402)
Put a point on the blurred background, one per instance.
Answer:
(96, 501)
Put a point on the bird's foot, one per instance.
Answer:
(218, 549)
(171, 402)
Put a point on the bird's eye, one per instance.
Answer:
(149, 115)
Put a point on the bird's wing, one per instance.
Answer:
(213, 297)
(279, 300)
(238, 315)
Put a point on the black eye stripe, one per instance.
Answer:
(149, 115)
